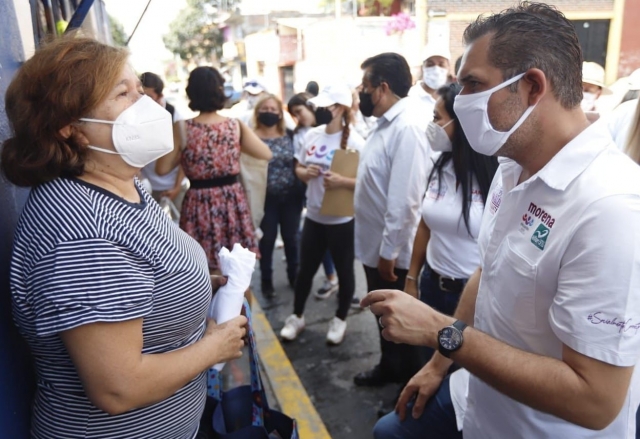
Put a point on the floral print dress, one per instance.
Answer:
(219, 216)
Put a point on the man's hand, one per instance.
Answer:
(406, 319)
(385, 269)
(425, 383)
(172, 193)
(217, 281)
(332, 180)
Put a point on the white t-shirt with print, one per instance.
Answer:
(319, 150)
(452, 251)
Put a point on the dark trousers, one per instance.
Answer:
(438, 421)
(285, 211)
(398, 362)
(315, 240)
(444, 301)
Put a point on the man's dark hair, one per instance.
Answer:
(313, 88)
(205, 90)
(458, 64)
(392, 69)
(153, 81)
(534, 35)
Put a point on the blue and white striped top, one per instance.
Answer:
(83, 255)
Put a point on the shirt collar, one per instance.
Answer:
(394, 111)
(567, 164)
(575, 156)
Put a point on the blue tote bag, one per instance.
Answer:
(243, 412)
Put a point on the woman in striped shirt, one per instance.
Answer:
(111, 296)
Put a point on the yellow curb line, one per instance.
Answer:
(289, 391)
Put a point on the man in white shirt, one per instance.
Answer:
(435, 74)
(555, 306)
(173, 185)
(392, 178)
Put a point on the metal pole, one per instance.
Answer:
(139, 20)
(79, 15)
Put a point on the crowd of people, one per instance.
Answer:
(494, 209)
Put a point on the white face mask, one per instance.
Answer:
(588, 101)
(438, 138)
(141, 134)
(252, 100)
(473, 113)
(435, 77)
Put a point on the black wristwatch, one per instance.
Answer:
(450, 338)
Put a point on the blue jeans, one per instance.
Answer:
(285, 211)
(327, 264)
(438, 421)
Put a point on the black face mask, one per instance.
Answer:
(366, 104)
(268, 119)
(323, 116)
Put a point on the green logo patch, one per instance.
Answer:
(539, 237)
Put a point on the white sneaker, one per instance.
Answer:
(293, 326)
(337, 328)
(355, 303)
(328, 288)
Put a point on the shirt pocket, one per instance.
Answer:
(515, 296)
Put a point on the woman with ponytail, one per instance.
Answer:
(333, 116)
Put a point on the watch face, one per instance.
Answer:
(450, 338)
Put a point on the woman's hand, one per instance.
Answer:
(217, 281)
(313, 171)
(227, 339)
(411, 287)
(333, 180)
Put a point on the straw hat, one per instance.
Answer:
(593, 73)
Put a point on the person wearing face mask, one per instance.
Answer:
(321, 232)
(592, 85)
(445, 247)
(215, 211)
(391, 180)
(298, 107)
(111, 296)
(548, 337)
(435, 74)
(285, 193)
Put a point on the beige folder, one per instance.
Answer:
(339, 202)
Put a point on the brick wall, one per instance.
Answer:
(630, 44)
(483, 6)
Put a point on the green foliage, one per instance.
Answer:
(194, 34)
(117, 32)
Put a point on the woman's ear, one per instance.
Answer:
(66, 131)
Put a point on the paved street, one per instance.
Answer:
(349, 412)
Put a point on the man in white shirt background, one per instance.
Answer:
(592, 85)
(391, 181)
(435, 73)
(173, 185)
(555, 306)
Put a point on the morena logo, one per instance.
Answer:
(545, 217)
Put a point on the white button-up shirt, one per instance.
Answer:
(392, 177)
(561, 265)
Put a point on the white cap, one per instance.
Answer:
(634, 80)
(593, 73)
(435, 50)
(254, 86)
(333, 94)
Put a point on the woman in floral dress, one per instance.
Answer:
(215, 211)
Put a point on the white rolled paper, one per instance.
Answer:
(237, 265)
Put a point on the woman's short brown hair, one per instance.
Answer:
(64, 80)
(282, 128)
